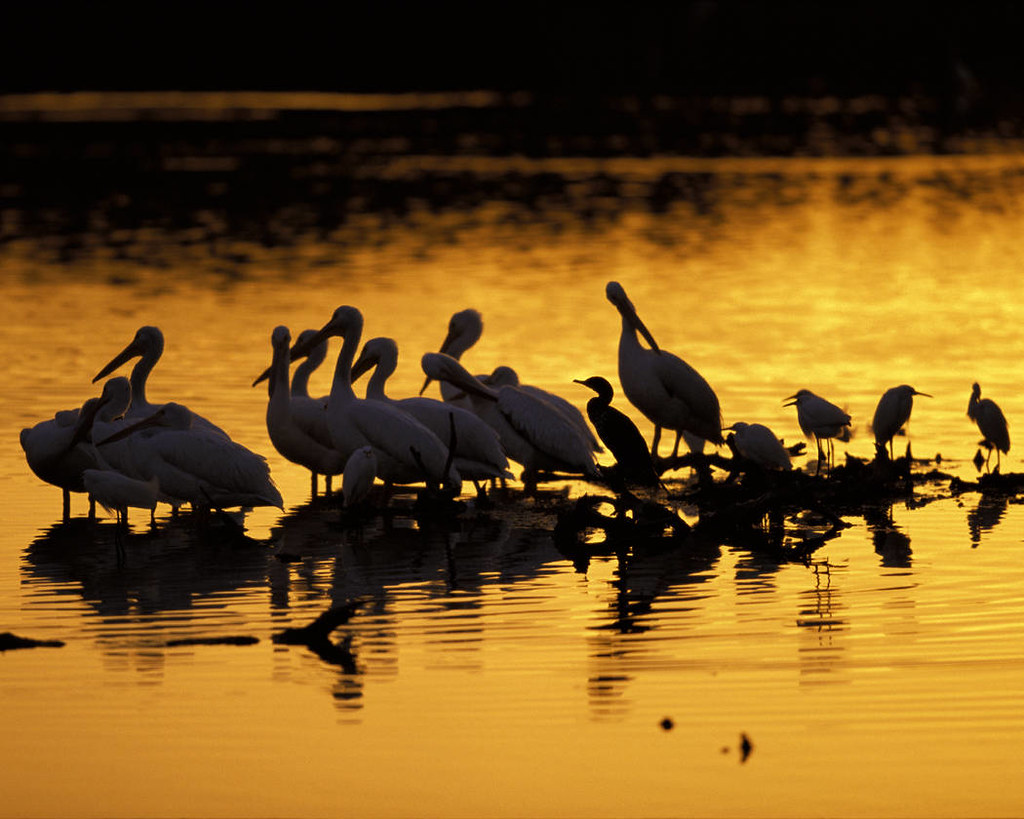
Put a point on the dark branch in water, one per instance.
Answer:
(9, 641)
(238, 640)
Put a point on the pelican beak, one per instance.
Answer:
(85, 418)
(363, 363)
(127, 354)
(638, 324)
(263, 376)
(150, 421)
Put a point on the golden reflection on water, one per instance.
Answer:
(488, 675)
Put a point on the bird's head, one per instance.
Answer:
(148, 340)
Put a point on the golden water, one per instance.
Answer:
(488, 674)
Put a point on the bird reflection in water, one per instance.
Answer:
(891, 544)
(984, 517)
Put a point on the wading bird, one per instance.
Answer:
(990, 420)
(819, 419)
(478, 453)
(289, 435)
(758, 444)
(406, 451)
(506, 376)
(357, 480)
(116, 492)
(533, 432)
(620, 435)
(147, 346)
(57, 457)
(667, 390)
(464, 330)
(892, 412)
(193, 464)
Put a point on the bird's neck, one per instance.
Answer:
(341, 387)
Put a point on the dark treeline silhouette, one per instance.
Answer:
(694, 47)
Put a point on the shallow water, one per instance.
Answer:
(487, 673)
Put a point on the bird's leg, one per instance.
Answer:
(654, 443)
(66, 495)
(675, 448)
(92, 508)
(312, 483)
(328, 489)
(821, 454)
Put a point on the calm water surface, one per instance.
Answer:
(488, 673)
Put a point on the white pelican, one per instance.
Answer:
(55, 455)
(357, 480)
(147, 346)
(290, 437)
(464, 330)
(667, 390)
(505, 376)
(532, 431)
(478, 452)
(819, 419)
(892, 412)
(406, 451)
(757, 443)
(620, 435)
(195, 465)
(990, 420)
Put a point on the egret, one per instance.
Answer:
(892, 412)
(464, 330)
(357, 480)
(406, 451)
(115, 492)
(819, 419)
(758, 444)
(55, 456)
(193, 464)
(533, 432)
(478, 453)
(990, 420)
(667, 390)
(290, 437)
(503, 375)
(619, 434)
(147, 346)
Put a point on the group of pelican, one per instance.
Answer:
(125, 451)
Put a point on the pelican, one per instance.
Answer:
(360, 471)
(289, 435)
(464, 330)
(193, 464)
(667, 390)
(990, 420)
(478, 453)
(503, 375)
(892, 412)
(758, 444)
(147, 346)
(619, 434)
(532, 431)
(56, 456)
(819, 419)
(406, 451)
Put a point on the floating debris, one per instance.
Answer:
(238, 640)
(9, 641)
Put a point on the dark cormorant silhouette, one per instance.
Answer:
(620, 435)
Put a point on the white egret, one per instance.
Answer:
(147, 346)
(357, 479)
(758, 444)
(533, 432)
(290, 437)
(990, 420)
(54, 454)
(667, 390)
(406, 451)
(892, 412)
(819, 419)
(193, 464)
(464, 330)
(116, 492)
(478, 453)
(620, 435)
(506, 376)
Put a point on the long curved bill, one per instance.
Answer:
(638, 323)
(127, 354)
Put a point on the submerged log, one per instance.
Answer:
(9, 641)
